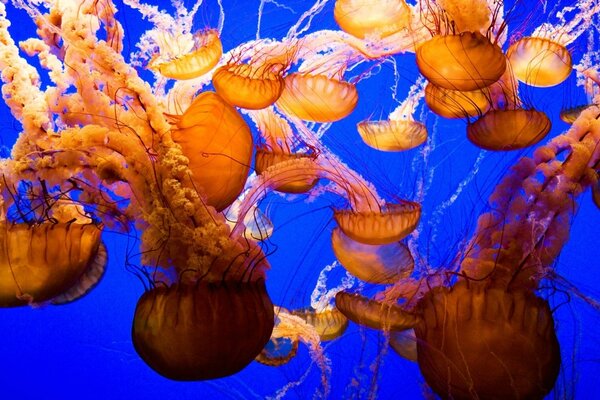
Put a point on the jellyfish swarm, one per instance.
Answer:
(111, 129)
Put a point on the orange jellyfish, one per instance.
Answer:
(329, 323)
(46, 261)
(569, 115)
(364, 19)
(392, 135)
(400, 131)
(508, 125)
(281, 146)
(391, 224)
(539, 62)
(266, 158)
(466, 61)
(253, 85)
(218, 143)
(455, 103)
(205, 54)
(464, 52)
(382, 264)
(317, 98)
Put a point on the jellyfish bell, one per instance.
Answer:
(317, 98)
(199, 328)
(392, 135)
(389, 225)
(538, 61)
(218, 143)
(253, 85)
(482, 342)
(382, 264)
(509, 129)
(42, 262)
(203, 57)
(466, 61)
(456, 103)
(329, 323)
(364, 18)
(570, 114)
(302, 183)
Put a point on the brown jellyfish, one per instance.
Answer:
(476, 342)
(509, 129)
(199, 329)
(48, 261)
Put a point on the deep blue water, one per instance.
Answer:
(84, 349)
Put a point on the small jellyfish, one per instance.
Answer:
(204, 56)
(254, 85)
(540, 62)
(383, 264)
(392, 135)
(266, 159)
(317, 98)
(374, 314)
(456, 103)
(380, 227)
(329, 323)
(365, 18)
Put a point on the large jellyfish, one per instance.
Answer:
(271, 171)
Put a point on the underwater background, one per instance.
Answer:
(84, 349)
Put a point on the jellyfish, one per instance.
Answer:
(400, 131)
(543, 59)
(216, 140)
(461, 54)
(204, 55)
(253, 85)
(45, 262)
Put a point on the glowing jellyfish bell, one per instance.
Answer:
(204, 55)
(363, 18)
(542, 59)
(461, 55)
(318, 98)
(400, 131)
